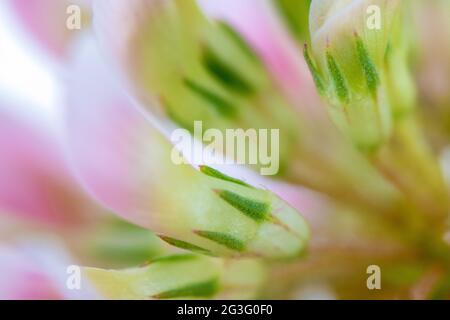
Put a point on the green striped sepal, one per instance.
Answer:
(187, 276)
(349, 60)
(190, 68)
(224, 216)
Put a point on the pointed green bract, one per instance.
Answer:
(180, 277)
(225, 73)
(315, 73)
(172, 259)
(256, 210)
(226, 240)
(368, 66)
(219, 175)
(231, 213)
(185, 245)
(204, 289)
(338, 79)
(349, 48)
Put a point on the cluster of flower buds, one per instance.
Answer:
(378, 191)
(202, 210)
(211, 213)
(188, 68)
(350, 60)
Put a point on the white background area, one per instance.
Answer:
(27, 76)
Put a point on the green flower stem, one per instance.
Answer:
(355, 181)
(409, 164)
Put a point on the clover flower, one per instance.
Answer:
(349, 65)
(201, 209)
(219, 278)
(341, 80)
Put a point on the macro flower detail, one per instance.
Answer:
(240, 223)
(188, 68)
(348, 63)
(139, 163)
(197, 208)
(362, 71)
(219, 279)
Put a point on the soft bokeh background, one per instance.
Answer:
(346, 239)
(27, 75)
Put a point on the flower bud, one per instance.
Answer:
(130, 167)
(181, 277)
(350, 43)
(210, 213)
(202, 210)
(186, 67)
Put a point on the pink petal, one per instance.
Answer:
(108, 139)
(34, 180)
(46, 20)
(20, 279)
(37, 270)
